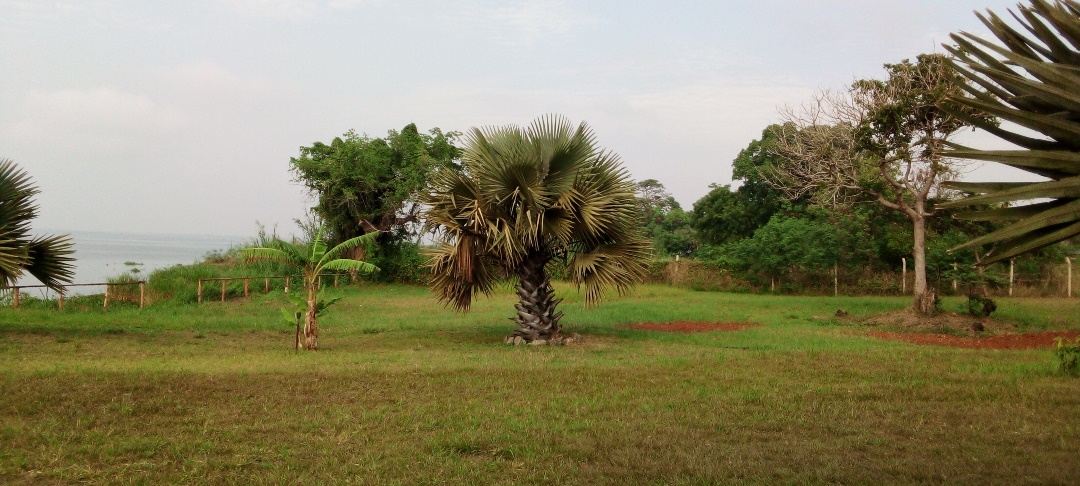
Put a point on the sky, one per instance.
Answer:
(180, 117)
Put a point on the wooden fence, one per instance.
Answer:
(1052, 280)
(16, 292)
(247, 284)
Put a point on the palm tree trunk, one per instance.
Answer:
(536, 317)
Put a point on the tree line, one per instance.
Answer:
(857, 178)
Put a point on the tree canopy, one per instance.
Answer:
(365, 184)
(881, 140)
(663, 219)
(725, 215)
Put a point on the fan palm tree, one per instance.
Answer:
(1030, 80)
(313, 260)
(47, 258)
(525, 197)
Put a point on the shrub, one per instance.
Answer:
(124, 293)
(1068, 355)
(400, 262)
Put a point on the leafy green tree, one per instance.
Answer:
(784, 245)
(47, 258)
(1030, 80)
(725, 215)
(524, 197)
(366, 184)
(313, 260)
(664, 220)
(672, 234)
(880, 141)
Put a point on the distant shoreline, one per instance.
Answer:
(100, 255)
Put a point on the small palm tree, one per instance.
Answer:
(527, 196)
(1030, 80)
(47, 258)
(313, 260)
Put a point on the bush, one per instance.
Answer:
(1068, 355)
(129, 292)
(400, 262)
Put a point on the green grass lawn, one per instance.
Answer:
(405, 391)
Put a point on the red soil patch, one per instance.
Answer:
(688, 326)
(960, 331)
(1005, 341)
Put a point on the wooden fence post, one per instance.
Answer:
(61, 298)
(836, 279)
(266, 285)
(1012, 267)
(954, 270)
(1068, 263)
(223, 290)
(246, 282)
(287, 284)
(903, 277)
(335, 280)
(142, 295)
(106, 305)
(200, 291)
(15, 297)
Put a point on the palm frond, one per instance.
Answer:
(1029, 79)
(617, 265)
(459, 274)
(347, 265)
(46, 258)
(366, 241)
(51, 261)
(13, 259)
(317, 248)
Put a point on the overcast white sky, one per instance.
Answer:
(180, 117)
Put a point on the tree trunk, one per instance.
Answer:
(311, 327)
(536, 317)
(924, 296)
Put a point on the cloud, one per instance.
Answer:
(349, 4)
(96, 119)
(208, 79)
(526, 22)
(294, 10)
(275, 9)
(693, 111)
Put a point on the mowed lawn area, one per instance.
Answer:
(405, 391)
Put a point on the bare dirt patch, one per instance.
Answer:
(690, 326)
(941, 323)
(959, 331)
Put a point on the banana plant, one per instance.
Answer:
(313, 260)
(1029, 80)
(295, 314)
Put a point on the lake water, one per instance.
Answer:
(99, 255)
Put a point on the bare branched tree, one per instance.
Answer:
(878, 141)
